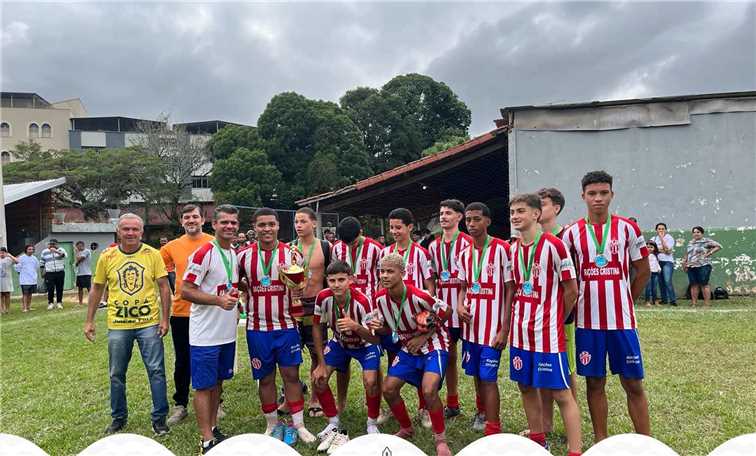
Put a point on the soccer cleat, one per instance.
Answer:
(278, 431)
(160, 427)
(60, 305)
(178, 415)
(451, 412)
(218, 435)
(290, 436)
(372, 427)
(305, 435)
(116, 426)
(442, 449)
(384, 416)
(327, 431)
(327, 439)
(205, 447)
(405, 433)
(221, 412)
(424, 418)
(342, 437)
(479, 422)
(50, 306)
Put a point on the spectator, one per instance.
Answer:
(382, 240)
(27, 268)
(6, 279)
(697, 263)
(251, 237)
(169, 267)
(666, 244)
(83, 270)
(54, 273)
(93, 247)
(653, 281)
(329, 236)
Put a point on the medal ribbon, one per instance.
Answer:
(444, 257)
(226, 263)
(260, 254)
(478, 264)
(309, 253)
(339, 311)
(398, 313)
(531, 257)
(556, 230)
(604, 236)
(356, 260)
(406, 252)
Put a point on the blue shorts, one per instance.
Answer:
(539, 370)
(212, 364)
(481, 361)
(411, 368)
(268, 348)
(622, 346)
(389, 345)
(454, 334)
(338, 357)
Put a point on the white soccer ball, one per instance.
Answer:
(378, 445)
(257, 444)
(503, 445)
(19, 446)
(738, 446)
(126, 445)
(630, 445)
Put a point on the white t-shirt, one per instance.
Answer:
(85, 267)
(669, 241)
(211, 325)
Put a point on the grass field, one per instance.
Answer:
(700, 366)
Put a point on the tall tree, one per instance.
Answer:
(245, 178)
(223, 143)
(96, 180)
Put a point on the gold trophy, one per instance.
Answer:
(294, 277)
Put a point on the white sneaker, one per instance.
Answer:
(221, 412)
(327, 430)
(479, 422)
(59, 305)
(50, 306)
(179, 413)
(373, 429)
(384, 416)
(327, 439)
(424, 418)
(305, 435)
(340, 439)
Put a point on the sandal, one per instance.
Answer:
(315, 412)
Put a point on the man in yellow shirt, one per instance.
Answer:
(175, 255)
(134, 275)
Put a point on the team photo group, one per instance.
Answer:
(559, 295)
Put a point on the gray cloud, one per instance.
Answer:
(202, 61)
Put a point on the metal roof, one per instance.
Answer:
(16, 192)
(595, 104)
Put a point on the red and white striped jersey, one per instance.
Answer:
(448, 291)
(269, 308)
(402, 317)
(366, 270)
(604, 297)
(327, 312)
(538, 318)
(487, 305)
(419, 267)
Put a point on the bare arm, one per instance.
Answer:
(430, 286)
(642, 274)
(509, 291)
(570, 295)
(191, 292)
(165, 304)
(317, 340)
(95, 295)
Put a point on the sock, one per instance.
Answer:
(539, 438)
(574, 453)
(400, 413)
(492, 427)
(437, 420)
(206, 443)
(452, 400)
(271, 415)
(297, 414)
(479, 404)
(420, 400)
(327, 402)
(373, 406)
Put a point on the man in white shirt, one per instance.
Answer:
(83, 270)
(52, 260)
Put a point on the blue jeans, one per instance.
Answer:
(120, 346)
(651, 285)
(665, 282)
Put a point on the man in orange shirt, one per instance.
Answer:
(176, 254)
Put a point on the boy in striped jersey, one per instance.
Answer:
(343, 308)
(605, 248)
(485, 272)
(444, 252)
(544, 292)
(415, 320)
(272, 336)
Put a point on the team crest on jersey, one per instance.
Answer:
(536, 270)
(131, 277)
(614, 246)
(517, 363)
(585, 358)
(410, 269)
(256, 364)
(490, 269)
(363, 263)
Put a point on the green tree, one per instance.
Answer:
(245, 178)
(228, 139)
(444, 143)
(96, 180)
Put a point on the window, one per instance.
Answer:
(46, 131)
(5, 129)
(5, 157)
(200, 182)
(33, 130)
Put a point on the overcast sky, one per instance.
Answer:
(226, 60)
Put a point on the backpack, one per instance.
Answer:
(720, 293)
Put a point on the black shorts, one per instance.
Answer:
(454, 334)
(84, 281)
(305, 336)
(28, 289)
